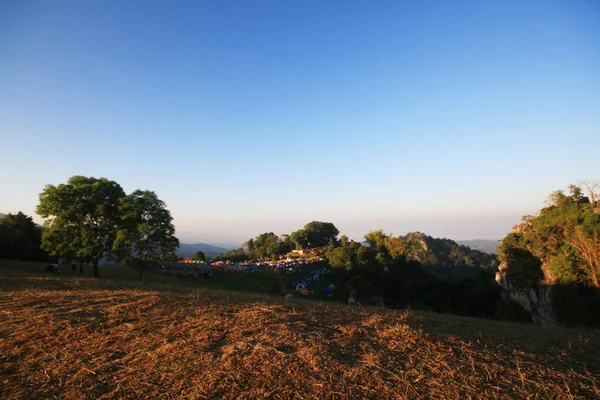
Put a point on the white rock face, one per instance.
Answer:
(536, 300)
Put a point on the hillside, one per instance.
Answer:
(437, 252)
(555, 254)
(486, 246)
(187, 250)
(82, 338)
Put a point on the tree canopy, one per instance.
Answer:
(378, 275)
(265, 245)
(432, 252)
(21, 238)
(146, 231)
(315, 234)
(82, 217)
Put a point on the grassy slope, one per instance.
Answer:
(74, 337)
(256, 283)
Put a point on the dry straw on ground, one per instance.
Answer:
(79, 338)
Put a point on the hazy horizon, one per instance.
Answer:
(450, 118)
(457, 228)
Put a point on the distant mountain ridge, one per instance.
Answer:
(441, 251)
(487, 246)
(187, 250)
(443, 256)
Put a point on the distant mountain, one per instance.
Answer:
(2, 215)
(487, 246)
(187, 250)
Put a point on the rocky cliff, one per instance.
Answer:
(537, 299)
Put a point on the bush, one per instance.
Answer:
(563, 269)
(524, 269)
(575, 305)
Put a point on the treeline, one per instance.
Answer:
(560, 248)
(416, 246)
(21, 238)
(315, 234)
(235, 255)
(379, 272)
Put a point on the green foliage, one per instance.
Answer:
(199, 256)
(169, 256)
(429, 251)
(82, 217)
(21, 238)
(560, 245)
(269, 245)
(564, 269)
(300, 239)
(285, 244)
(263, 246)
(351, 256)
(236, 255)
(375, 273)
(341, 257)
(146, 231)
(565, 235)
(524, 269)
(314, 235)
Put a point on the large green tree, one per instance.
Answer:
(82, 218)
(315, 234)
(146, 230)
(300, 239)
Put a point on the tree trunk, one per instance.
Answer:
(81, 268)
(140, 270)
(96, 270)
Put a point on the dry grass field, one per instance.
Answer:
(79, 338)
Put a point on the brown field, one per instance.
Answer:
(77, 338)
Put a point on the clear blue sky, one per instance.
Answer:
(449, 117)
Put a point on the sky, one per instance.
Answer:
(449, 118)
